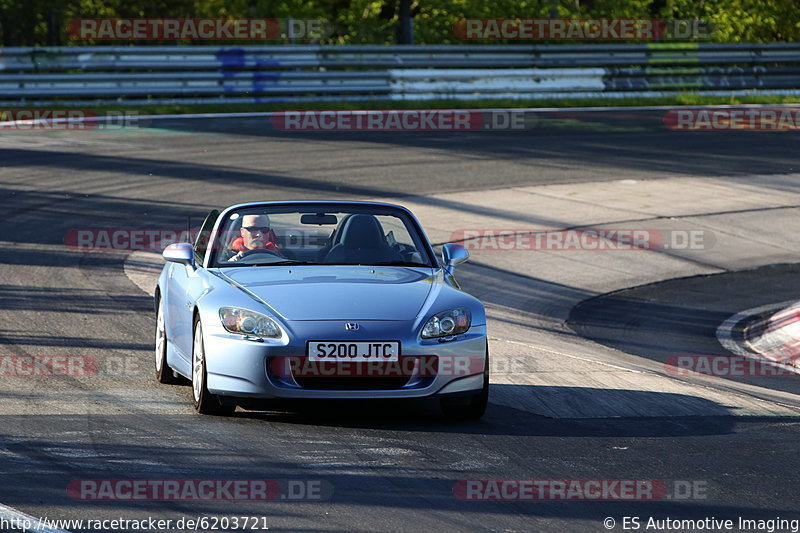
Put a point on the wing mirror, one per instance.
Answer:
(179, 252)
(454, 254)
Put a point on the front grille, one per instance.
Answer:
(322, 383)
(354, 376)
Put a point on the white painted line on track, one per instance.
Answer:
(10, 516)
(572, 356)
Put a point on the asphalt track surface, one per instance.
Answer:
(383, 466)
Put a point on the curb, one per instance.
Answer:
(776, 335)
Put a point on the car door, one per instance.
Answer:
(186, 284)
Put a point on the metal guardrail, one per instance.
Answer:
(160, 74)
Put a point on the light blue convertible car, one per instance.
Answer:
(319, 300)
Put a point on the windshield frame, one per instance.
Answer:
(430, 259)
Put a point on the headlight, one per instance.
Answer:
(246, 322)
(446, 324)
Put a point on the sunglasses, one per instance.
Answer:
(254, 229)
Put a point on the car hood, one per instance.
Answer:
(337, 292)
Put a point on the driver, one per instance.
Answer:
(255, 235)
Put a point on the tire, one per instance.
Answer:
(164, 373)
(205, 403)
(472, 408)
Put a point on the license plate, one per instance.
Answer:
(353, 351)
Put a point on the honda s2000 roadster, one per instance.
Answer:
(321, 300)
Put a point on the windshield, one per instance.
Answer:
(320, 235)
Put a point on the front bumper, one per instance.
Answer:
(278, 369)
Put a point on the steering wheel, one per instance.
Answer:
(259, 251)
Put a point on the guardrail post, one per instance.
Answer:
(405, 28)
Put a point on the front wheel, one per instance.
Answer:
(205, 403)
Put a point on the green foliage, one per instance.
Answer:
(44, 22)
(747, 21)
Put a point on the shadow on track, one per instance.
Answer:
(681, 316)
(632, 140)
(423, 415)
